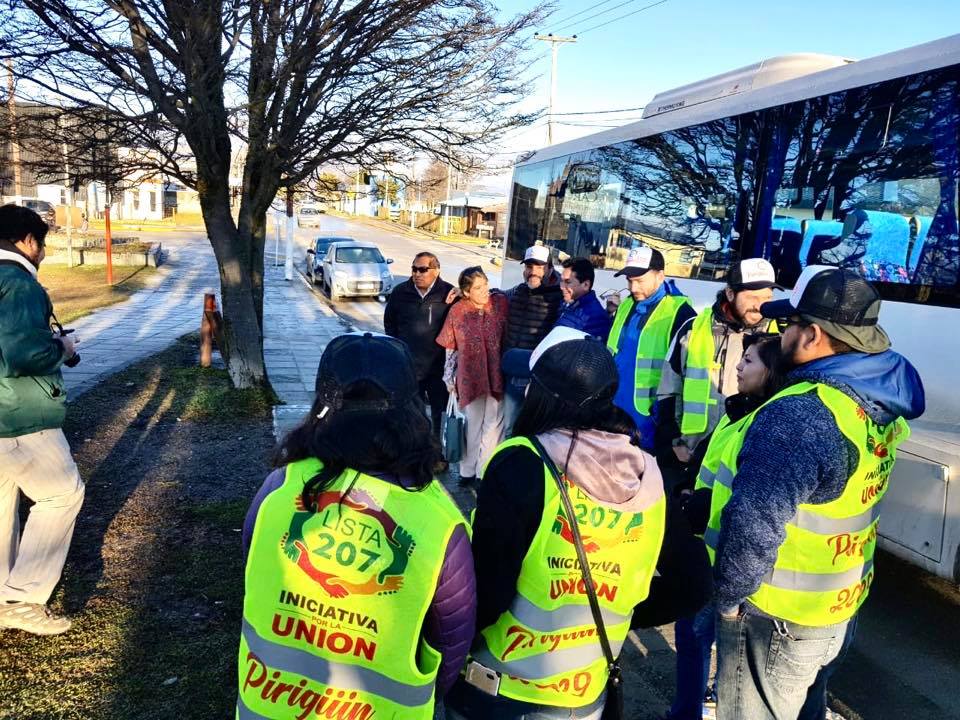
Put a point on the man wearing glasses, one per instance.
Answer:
(415, 313)
(799, 499)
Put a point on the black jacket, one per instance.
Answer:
(533, 313)
(417, 321)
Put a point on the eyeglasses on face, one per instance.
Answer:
(421, 268)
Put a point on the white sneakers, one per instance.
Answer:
(32, 618)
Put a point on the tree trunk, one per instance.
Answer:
(241, 288)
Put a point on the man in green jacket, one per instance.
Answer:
(34, 456)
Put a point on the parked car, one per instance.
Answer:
(309, 216)
(317, 252)
(43, 208)
(356, 269)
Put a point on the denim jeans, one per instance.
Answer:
(815, 707)
(766, 667)
(694, 638)
(465, 702)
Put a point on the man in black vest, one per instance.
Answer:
(415, 313)
(534, 308)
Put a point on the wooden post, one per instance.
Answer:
(207, 329)
(109, 242)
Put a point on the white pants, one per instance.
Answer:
(40, 466)
(484, 432)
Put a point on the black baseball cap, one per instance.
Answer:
(840, 301)
(574, 367)
(640, 260)
(382, 363)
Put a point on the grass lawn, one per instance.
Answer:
(171, 457)
(80, 290)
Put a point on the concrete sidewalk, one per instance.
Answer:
(119, 335)
(297, 327)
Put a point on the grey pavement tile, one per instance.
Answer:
(278, 379)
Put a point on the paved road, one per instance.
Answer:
(401, 246)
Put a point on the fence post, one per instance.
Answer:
(209, 327)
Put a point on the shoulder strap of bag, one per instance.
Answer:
(581, 555)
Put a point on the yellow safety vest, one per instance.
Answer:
(336, 598)
(697, 382)
(652, 347)
(824, 567)
(701, 352)
(545, 646)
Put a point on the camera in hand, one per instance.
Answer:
(74, 359)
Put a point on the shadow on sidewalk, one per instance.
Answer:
(154, 578)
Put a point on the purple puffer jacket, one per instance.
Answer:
(451, 618)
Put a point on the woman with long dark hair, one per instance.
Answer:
(537, 655)
(359, 578)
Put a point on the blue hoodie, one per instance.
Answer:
(794, 453)
(586, 314)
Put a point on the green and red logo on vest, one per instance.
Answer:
(599, 517)
(348, 545)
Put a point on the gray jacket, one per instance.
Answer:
(728, 341)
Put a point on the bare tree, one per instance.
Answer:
(300, 83)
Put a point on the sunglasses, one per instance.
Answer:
(784, 323)
(419, 269)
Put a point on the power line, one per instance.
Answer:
(646, 7)
(602, 112)
(604, 12)
(577, 14)
(596, 125)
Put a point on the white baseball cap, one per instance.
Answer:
(537, 254)
(641, 259)
(752, 274)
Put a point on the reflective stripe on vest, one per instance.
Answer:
(711, 458)
(545, 646)
(824, 567)
(336, 597)
(714, 473)
(295, 661)
(697, 384)
(652, 347)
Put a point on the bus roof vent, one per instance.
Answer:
(752, 77)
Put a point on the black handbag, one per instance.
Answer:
(613, 709)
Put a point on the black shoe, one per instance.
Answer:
(467, 480)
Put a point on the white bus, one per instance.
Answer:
(800, 159)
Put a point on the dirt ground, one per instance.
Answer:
(171, 457)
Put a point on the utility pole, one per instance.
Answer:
(14, 135)
(291, 225)
(554, 41)
(69, 184)
(356, 192)
(446, 207)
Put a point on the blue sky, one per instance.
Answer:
(623, 64)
